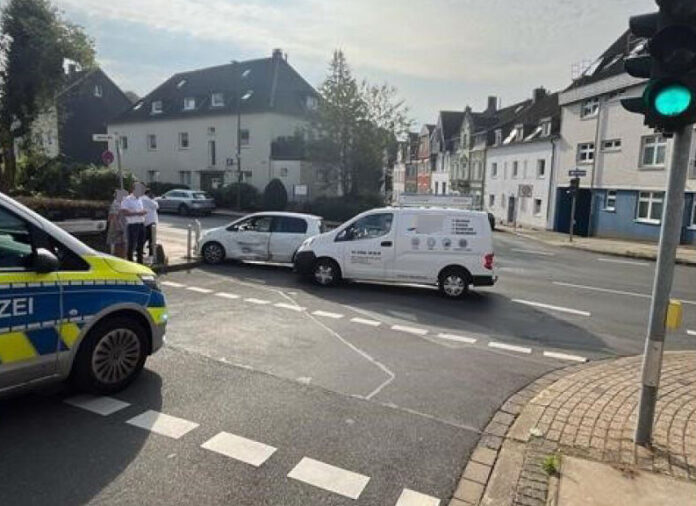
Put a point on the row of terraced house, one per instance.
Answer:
(514, 161)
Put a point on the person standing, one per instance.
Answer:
(151, 220)
(134, 212)
(116, 231)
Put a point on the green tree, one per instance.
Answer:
(35, 41)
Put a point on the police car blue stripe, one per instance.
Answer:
(43, 340)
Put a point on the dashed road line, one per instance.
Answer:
(326, 314)
(533, 252)
(456, 338)
(103, 406)
(327, 477)
(260, 302)
(412, 498)
(691, 332)
(410, 330)
(198, 289)
(553, 308)
(225, 295)
(239, 448)
(365, 321)
(617, 261)
(509, 347)
(173, 284)
(565, 356)
(166, 425)
(616, 292)
(291, 307)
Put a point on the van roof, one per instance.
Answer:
(423, 209)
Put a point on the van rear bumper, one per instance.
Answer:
(484, 280)
(304, 262)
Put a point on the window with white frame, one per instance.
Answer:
(586, 152)
(124, 142)
(185, 177)
(152, 142)
(211, 131)
(610, 201)
(541, 168)
(537, 206)
(590, 108)
(519, 132)
(217, 100)
(183, 140)
(498, 137)
(156, 107)
(650, 206)
(491, 200)
(152, 176)
(189, 104)
(515, 168)
(98, 91)
(611, 145)
(653, 151)
(494, 170)
(244, 137)
(546, 128)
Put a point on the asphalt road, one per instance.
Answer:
(390, 385)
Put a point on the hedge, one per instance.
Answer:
(58, 209)
(227, 197)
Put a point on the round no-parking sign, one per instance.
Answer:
(107, 157)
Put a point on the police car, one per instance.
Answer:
(69, 312)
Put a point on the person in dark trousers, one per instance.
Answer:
(134, 212)
(151, 220)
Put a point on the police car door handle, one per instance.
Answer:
(387, 244)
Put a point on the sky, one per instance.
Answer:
(439, 54)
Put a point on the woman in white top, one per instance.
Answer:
(116, 228)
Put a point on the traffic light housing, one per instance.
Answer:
(669, 100)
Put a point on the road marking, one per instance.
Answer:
(260, 302)
(365, 321)
(160, 423)
(410, 330)
(173, 284)
(199, 290)
(553, 308)
(412, 498)
(565, 356)
(459, 339)
(100, 405)
(617, 292)
(509, 347)
(328, 477)
(291, 307)
(326, 314)
(691, 332)
(617, 261)
(533, 252)
(239, 448)
(224, 295)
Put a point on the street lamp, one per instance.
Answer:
(238, 101)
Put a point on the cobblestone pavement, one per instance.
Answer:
(587, 411)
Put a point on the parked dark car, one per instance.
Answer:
(186, 202)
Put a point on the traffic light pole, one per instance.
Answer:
(572, 215)
(672, 217)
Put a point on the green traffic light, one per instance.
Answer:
(673, 100)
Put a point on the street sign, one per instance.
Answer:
(103, 137)
(577, 173)
(107, 157)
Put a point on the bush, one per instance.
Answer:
(98, 183)
(227, 196)
(344, 208)
(50, 178)
(159, 188)
(275, 196)
(58, 209)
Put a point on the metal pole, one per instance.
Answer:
(672, 216)
(118, 158)
(188, 241)
(239, 138)
(572, 214)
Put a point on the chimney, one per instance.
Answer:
(538, 94)
(492, 104)
(277, 54)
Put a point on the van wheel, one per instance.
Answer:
(213, 253)
(454, 283)
(111, 356)
(326, 272)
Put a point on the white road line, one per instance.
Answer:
(509, 347)
(533, 252)
(365, 321)
(331, 478)
(173, 284)
(456, 338)
(691, 332)
(260, 302)
(412, 498)
(291, 307)
(553, 308)
(326, 314)
(410, 330)
(617, 292)
(239, 448)
(617, 261)
(160, 423)
(565, 356)
(100, 405)
(225, 295)
(199, 290)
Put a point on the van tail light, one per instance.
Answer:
(488, 261)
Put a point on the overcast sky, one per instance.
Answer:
(440, 54)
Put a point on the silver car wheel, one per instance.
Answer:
(116, 356)
(324, 274)
(453, 285)
(213, 253)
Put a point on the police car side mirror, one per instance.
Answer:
(44, 261)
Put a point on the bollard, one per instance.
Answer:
(188, 241)
(198, 234)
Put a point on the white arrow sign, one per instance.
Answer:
(103, 137)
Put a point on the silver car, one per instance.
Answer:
(186, 202)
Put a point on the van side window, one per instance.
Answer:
(367, 227)
(15, 243)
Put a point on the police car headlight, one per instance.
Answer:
(150, 281)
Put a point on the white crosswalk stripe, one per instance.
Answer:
(365, 321)
(239, 448)
(100, 405)
(564, 356)
(225, 295)
(198, 289)
(552, 308)
(166, 425)
(328, 477)
(412, 498)
(456, 338)
(691, 332)
(327, 314)
(509, 347)
(411, 330)
(173, 284)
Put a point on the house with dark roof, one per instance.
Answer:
(625, 162)
(185, 130)
(83, 107)
(426, 159)
(445, 138)
(520, 157)
(405, 171)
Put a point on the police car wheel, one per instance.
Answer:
(111, 357)
(326, 272)
(454, 283)
(213, 253)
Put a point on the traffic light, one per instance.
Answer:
(669, 100)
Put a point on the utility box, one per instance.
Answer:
(675, 315)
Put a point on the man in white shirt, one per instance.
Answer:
(134, 212)
(151, 219)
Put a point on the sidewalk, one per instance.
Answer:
(686, 255)
(585, 416)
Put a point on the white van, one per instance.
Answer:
(450, 248)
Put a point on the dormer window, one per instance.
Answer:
(157, 107)
(217, 100)
(189, 104)
(181, 83)
(312, 103)
(519, 132)
(98, 91)
(546, 128)
(498, 137)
